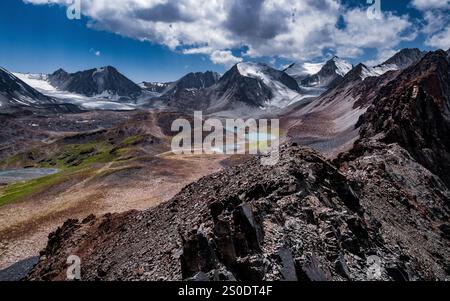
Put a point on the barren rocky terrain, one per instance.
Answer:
(379, 211)
(361, 190)
(299, 220)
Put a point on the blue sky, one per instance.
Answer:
(40, 39)
(155, 42)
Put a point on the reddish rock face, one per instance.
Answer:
(414, 111)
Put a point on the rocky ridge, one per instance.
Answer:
(299, 220)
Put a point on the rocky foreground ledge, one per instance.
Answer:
(302, 219)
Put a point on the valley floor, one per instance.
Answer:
(25, 225)
(146, 178)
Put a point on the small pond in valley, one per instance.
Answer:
(17, 175)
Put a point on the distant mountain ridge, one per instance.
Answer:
(333, 70)
(100, 81)
(332, 117)
(326, 74)
(246, 86)
(405, 57)
(257, 85)
(193, 80)
(155, 87)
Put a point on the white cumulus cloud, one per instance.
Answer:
(431, 4)
(436, 15)
(224, 57)
(291, 29)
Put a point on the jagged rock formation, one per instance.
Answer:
(402, 157)
(411, 207)
(414, 111)
(226, 226)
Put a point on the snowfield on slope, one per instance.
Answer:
(98, 102)
(343, 67)
(377, 70)
(282, 95)
(303, 70)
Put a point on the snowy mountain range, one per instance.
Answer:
(105, 101)
(401, 60)
(247, 87)
(331, 118)
(329, 72)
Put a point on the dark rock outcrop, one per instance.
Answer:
(414, 111)
(198, 80)
(401, 162)
(189, 92)
(405, 58)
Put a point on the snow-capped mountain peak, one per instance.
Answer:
(319, 74)
(283, 87)
(331, 71)
(249, 85)
(253, 70)
(96, 82)
(51, 86)
(301, 71)
(342, 67)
